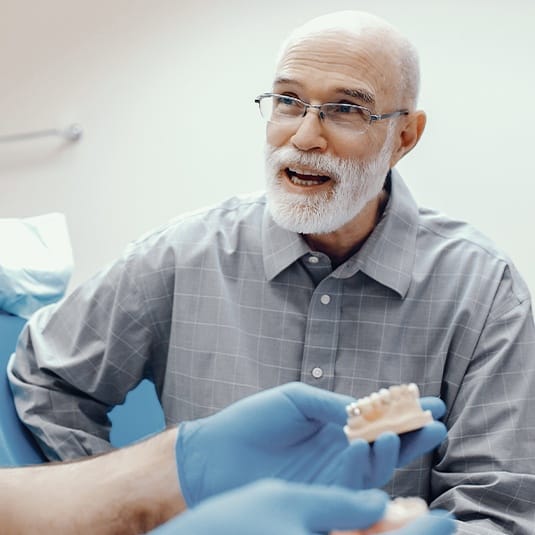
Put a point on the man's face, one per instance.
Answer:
(320, 176)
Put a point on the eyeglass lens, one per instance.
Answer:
(282, 109)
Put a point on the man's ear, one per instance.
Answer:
(409, 135)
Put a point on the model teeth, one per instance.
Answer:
(384, 394)
(394, 409)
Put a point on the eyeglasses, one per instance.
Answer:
(282, 109)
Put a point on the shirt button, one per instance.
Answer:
(317, 373)
(325, 299)
(313, 259)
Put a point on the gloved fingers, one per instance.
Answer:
(416, 443)
(318, 404)
(363, 465)
(437, 522)
(354, 465)
(384, 459)
(329, 508)
(433, 404)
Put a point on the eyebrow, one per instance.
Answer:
(361, 94)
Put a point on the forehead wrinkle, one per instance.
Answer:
(320, 56)
(286, 80)
(368, 55)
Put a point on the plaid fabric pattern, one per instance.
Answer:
(222, 303)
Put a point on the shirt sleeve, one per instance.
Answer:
(77, 359)
(486, 468)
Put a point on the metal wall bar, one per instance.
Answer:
(72, 132)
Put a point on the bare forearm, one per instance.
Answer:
(125, 492)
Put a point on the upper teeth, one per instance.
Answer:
(301, 172)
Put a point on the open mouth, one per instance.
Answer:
(299, 177)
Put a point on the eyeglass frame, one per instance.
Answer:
(373, 116)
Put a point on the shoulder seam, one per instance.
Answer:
(497, 253)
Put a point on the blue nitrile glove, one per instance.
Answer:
(274, 507)
(292, 432)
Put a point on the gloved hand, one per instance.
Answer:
(292, 432)
(274, 507)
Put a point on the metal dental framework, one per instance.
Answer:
(394, 409)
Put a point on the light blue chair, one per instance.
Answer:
(17, 446)
(140, 415)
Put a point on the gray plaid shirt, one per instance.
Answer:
(222, 303)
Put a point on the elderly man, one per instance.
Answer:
(335, 278)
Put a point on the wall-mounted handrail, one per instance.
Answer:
(72, 132)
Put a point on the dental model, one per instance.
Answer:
(399, 512)
(394, 409)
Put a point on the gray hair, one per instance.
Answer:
(409, 65)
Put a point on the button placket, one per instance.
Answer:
(321, 341)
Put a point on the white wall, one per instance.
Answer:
(164, 89)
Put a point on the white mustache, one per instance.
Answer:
(322, 164)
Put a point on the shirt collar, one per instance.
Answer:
(387, 256)
(281, 247)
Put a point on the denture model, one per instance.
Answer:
(394, 409)
(399, 512)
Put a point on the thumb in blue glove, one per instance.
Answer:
(273, 507)
(292, 432)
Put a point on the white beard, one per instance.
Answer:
(356, 183)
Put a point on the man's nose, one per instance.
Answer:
(310, 134)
